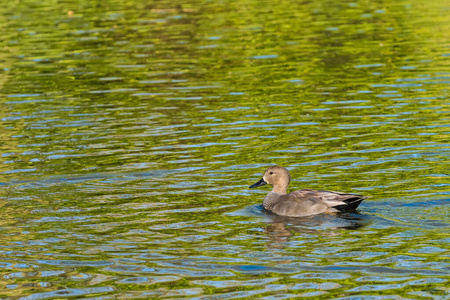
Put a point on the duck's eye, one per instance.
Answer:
(271, 173)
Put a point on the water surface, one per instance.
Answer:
(131, 131)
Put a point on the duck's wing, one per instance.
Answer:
(300, 203)
(341, 201)
(307, 202)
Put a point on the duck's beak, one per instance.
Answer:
(259, 183)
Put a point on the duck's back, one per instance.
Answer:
(307, 202)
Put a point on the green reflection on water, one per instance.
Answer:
(131, 131)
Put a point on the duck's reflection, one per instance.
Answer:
(280, 229)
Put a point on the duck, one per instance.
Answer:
(304, 202)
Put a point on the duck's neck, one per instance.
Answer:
(280, 189)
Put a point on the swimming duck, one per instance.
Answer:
(303, 202)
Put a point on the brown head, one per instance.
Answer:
(277, 176)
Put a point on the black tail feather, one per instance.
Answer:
(351, 203)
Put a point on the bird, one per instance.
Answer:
(304, 202)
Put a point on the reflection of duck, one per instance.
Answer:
(310, 224)
(281, 228)
(303, 202)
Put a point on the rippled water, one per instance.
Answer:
(131, 131)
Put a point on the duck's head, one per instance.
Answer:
(277, 176)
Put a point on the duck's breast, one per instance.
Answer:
(271, 200)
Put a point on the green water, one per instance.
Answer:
(131, 130)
